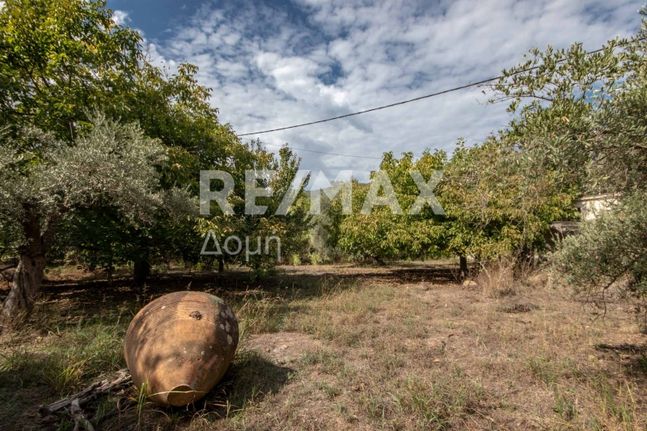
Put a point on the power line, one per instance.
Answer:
(403, 102)
(377, 108)
(326, 152)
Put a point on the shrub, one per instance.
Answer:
(610, 251)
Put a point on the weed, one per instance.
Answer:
(565, 405)
(435, 402)
(330, 391)
(497, 279)
(63, 362)
(328, 361)
(551, 370)
(612, 403)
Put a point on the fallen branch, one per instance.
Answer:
(80, 421)
(91, 392)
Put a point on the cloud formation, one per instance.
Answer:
(272, 66)
(120, 17)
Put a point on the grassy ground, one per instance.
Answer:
(339, 347)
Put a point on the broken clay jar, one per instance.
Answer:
(179, 346)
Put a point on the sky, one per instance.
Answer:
(275, 63)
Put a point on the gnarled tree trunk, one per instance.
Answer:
(28, 277)
(24, 290)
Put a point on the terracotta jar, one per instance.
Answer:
(180, 345)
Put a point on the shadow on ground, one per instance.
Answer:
(632, 356)
(249, 379)
(66, 301)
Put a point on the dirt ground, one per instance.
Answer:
(346, 347)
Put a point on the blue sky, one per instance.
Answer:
(273, 63)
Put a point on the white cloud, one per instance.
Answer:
(120, 17)
(271, 68)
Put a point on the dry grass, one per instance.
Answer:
(390, 348)
(497, 279)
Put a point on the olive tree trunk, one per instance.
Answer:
(28, 277)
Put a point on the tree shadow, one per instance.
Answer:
(632, 356)
(244, 280)
(26, 380)
(250, 378)
(66, 302)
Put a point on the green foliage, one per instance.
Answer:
(61, 60)
(291, 228)
(176, 110)
(614, 246)
(496, 205)
(580, 127)
(381, 234)
(111, 165)
(586, 125)
(123, 192)
(609, 249)
(58, 57)
(580, 118)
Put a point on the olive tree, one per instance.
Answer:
(62, 59)
(613, 247)
(109, 164)
(607, 251)
(583, 119)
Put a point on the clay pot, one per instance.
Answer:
(179, 346)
